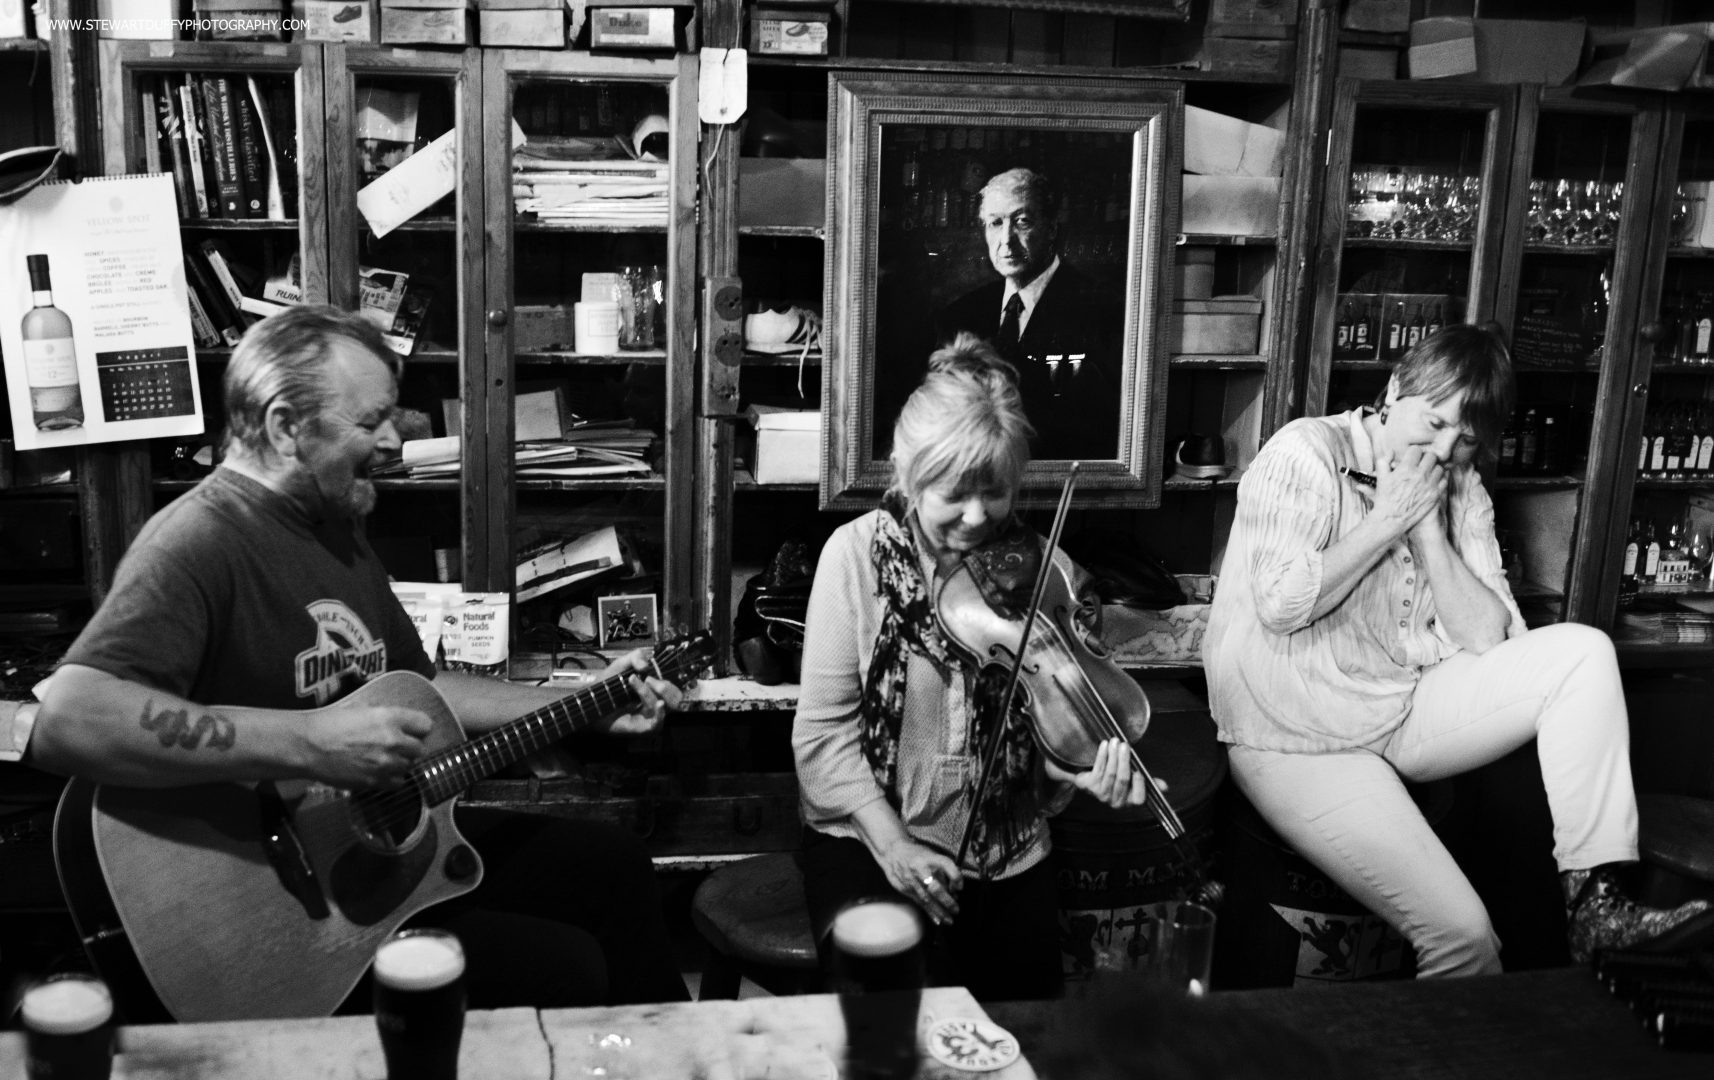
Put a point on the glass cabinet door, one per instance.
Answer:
(406, 222)
(1655, 569)
(590, 166)
(1410, 228)
(239, 130)
(1574, 250)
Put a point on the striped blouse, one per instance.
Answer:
(1279, 681)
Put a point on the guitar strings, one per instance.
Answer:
(384, 809)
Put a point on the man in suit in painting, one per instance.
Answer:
(1059, 327)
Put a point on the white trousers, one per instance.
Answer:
(1348, 813)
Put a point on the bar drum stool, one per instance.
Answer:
(753, 916)
(1675, 835)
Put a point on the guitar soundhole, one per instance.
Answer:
(388, 820)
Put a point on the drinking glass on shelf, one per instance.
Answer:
(1540, 212)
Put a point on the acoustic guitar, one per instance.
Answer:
(249, 901)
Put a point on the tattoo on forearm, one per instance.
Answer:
(174, 728)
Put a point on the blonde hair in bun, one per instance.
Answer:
(964, 424)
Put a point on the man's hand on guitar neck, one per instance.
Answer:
(484, 703)
(655, 695)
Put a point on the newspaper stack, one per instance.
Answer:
(593, 449)
(556, 182)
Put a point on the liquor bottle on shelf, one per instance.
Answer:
(1529, 443)
(1628, 571)
(1342, 329)
(1704, 441)
(1702, 349)
(1650, 553)
(1414, 328)
(1657, 445)
(1363, 330)
(50, 359)
(1551, 457)
(1436, 320)
(1508, 463)
(1669, 455)
(912, 182)
(1394, 343)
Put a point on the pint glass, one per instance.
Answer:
(878, 972)
(68, 1029)
(419, 1004)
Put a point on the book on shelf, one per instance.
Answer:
(221, 124)
(223, 272)
(190, 114)
(147, 111)
(169, 121)
(279, 117)
(287, 286)
(202, 328)
(262, 156)
(220, 309)
(407, 325)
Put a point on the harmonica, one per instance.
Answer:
(1357, 477)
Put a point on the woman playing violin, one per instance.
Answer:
(891, 722)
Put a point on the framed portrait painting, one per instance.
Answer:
(1034, 214)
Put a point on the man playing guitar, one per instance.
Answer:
(255, 597)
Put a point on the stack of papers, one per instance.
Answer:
(592, 449)
(559, 183)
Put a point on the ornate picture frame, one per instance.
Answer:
(908, 266)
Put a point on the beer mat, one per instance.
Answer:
(974, 1045)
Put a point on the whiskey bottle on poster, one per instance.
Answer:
(50, 361)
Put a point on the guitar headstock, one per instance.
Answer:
(684, 657)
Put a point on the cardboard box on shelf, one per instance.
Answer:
(1443, 47)
(239, 20)
(1377, 16)
(145, 20)
(1219, 145)
(1218, 326)
(644, 28)
(542, 326)
(1193, 273)
(1230, 205)
(1252, 18)
(1668, 58)
(782, 191)
(788, 445)
(1246, 56)
(1496, 50)
(428, 22)
(802, 32)
(537, 415)
(1528, 50)
(528, 24)
(342, 20)
(1368, 62)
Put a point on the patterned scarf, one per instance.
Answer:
(1010, 807)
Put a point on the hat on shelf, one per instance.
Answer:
(1201, 457)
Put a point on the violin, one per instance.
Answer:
(1075, 696)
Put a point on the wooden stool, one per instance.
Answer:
(752, 915)
(1675, 836)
